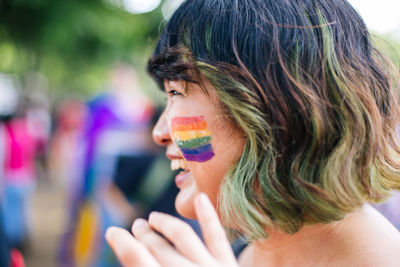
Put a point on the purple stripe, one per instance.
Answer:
(201, 157)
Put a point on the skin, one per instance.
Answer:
(362, 238)
(148, 249)
(226, 141)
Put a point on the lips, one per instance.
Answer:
(182, 178)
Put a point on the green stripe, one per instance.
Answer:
(193, 143)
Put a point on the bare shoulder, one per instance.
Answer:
(376, 240)
(382, 254)
(364, 238)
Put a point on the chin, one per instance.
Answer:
(185, 206)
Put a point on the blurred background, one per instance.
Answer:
(76, 110)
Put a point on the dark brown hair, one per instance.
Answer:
(318, 103)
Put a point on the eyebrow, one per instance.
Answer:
(169, 65)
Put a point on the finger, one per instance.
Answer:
(182, 236)
(213, 232)
(129, 251)
(165, 254)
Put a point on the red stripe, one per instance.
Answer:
(180, 122)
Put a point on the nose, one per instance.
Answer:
(161, 131)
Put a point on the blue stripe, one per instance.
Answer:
(198, 150)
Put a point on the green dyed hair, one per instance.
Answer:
(319, 106)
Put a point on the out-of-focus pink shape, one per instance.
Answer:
(16, 259)
(20, 152)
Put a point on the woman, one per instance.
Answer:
(283, 115)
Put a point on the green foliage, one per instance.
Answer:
(72, 42)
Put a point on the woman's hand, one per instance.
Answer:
(149, 249)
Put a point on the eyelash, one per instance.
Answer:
(174, 93)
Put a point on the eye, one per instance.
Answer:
(173, 92)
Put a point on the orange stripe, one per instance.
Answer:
(201, 125)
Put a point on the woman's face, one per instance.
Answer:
(200, 141)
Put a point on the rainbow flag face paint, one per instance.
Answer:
(193, 138)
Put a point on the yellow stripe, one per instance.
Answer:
(186, 135)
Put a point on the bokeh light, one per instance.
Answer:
(169, 7)
(380, 16)
(140, 6)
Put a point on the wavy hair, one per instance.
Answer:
(317, 102)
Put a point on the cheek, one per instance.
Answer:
(192, 136)
(208, 178)
(210, 175)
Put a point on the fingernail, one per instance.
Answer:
(139, 225)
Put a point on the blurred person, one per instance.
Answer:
(19, 179)
(4, 246)
(9, 256)
(117, 122)
(9, 100)
(68, 127)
